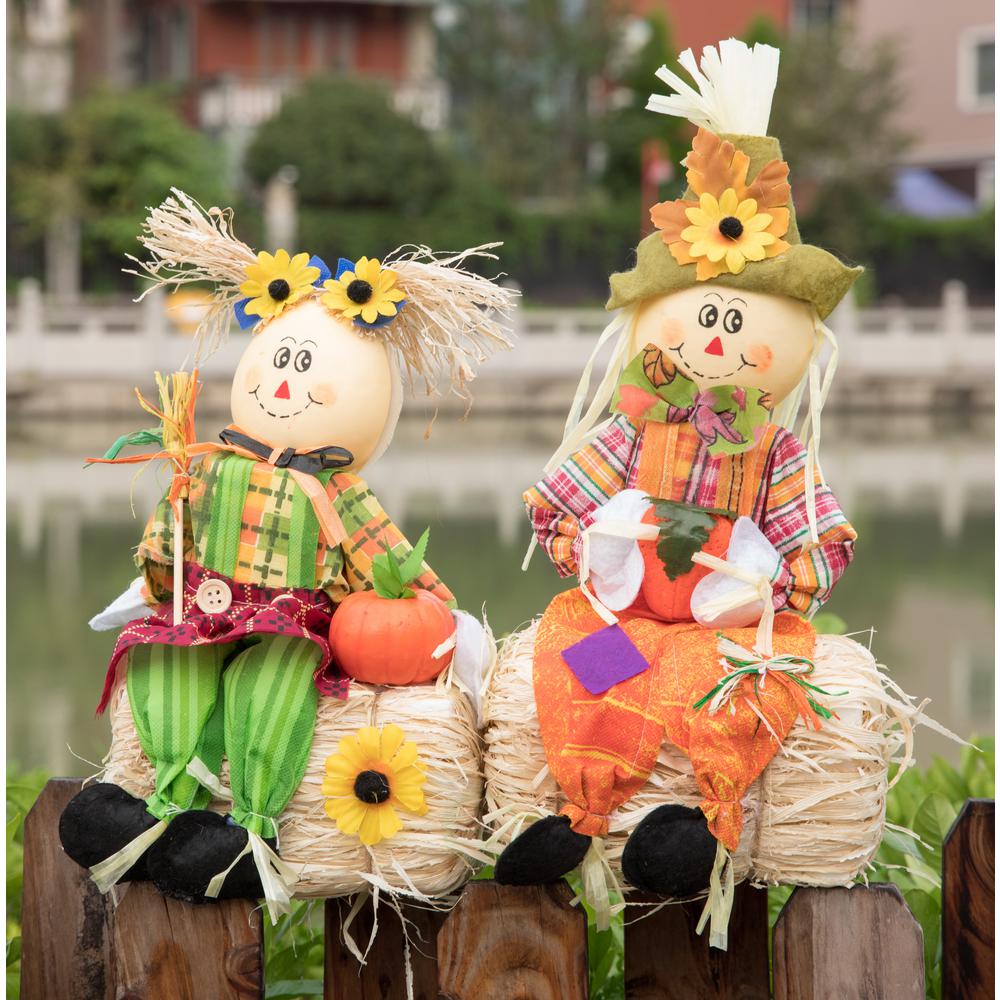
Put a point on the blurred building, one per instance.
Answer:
(237, 59)
(39, 54)
(947, 75)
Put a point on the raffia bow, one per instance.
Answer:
(788, 670)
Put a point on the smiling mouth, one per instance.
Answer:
(743, 364)
(284, 416)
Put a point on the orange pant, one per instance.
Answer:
(602, 748)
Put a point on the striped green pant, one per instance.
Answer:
(257, 707)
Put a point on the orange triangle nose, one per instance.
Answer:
(715, 347)
(283, 392)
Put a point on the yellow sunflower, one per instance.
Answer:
(368, 291)
(275, 282)
(371, 775)
(728, 232)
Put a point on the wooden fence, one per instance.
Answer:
(505, 943)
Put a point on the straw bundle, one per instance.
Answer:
(815, 816)
(431, 856)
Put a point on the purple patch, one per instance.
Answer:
(604, 659)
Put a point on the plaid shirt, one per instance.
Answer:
(251, 522)
(766, 483)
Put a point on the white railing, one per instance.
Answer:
(52, 340)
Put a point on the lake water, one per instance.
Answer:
(919, 491)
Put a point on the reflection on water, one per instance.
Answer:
(919, 494)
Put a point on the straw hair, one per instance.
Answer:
(431, 856)
(453, 319)
(189, 244)
(815, 816)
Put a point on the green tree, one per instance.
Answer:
(834, 111)
(631, 125)
(368, 177)
(103, 162)
(523, 76)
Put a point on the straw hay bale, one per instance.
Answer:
(432, 855)
(815, 816)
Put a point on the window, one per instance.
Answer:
(976, 70)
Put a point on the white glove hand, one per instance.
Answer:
(125, 608)
(616, 564)
(475, 652)
(749, 550)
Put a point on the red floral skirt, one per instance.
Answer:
(253, 611)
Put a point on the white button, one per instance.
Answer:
(213, 597)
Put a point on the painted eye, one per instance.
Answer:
(303, 360)
(733, 321)
(282, 357)
(708, 316)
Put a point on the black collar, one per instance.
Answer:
(313, 462)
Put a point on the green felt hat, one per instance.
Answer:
(800, 272)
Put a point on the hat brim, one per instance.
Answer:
(801, 272)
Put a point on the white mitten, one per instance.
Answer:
(475, 651)
(125, 608)
(750, 551)
(616, 566)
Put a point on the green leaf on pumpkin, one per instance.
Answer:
(684, 529)
(392, 576)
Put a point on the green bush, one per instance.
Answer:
(104, 161)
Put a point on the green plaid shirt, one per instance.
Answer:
(252, 523)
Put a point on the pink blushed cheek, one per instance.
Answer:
(252, 378)
(760, 356)
(323, 393)
(671, 333)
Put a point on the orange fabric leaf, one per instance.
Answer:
(715, 164)
(681, 252)
(707, 270)
(780, 218)
(770, 188)
(777, 247)
(658, 368)
(669, 218)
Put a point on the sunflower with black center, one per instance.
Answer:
(372, 774)
(275, 282)
(368, 293)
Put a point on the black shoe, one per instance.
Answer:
(197, 846)
(670, 853)
(99, 821)
(543, 853)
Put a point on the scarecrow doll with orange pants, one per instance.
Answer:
(700, 527)
(262, 535)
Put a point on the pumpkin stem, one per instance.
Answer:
(392, 576)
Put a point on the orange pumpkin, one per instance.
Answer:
(388, 635)
(381, 640)
(671, 599)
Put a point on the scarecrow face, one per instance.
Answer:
(723, 336)
(309, 379)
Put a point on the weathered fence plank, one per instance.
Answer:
(513, 943)
(967, 905)
(860, 943)
(64, 919)
(666, 959)
(384, 974)
(163, 949)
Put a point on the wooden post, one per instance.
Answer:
(513, 943)
(77, 945)
(967, 905)
(665, 959)
(64, 919)
(163, 949)
(384, 974)
(860, 943)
